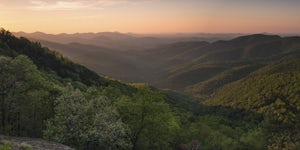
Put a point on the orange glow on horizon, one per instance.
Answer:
(155, 16)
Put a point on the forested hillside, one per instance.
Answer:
(272, 91)
(246, 101)
(44, 95)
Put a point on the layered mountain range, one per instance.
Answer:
(243, 92)
(193, 66)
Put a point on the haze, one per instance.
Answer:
(151, 16)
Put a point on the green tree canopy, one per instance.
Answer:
(149, 118)
(87, 122)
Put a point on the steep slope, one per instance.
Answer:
(53, 63)
(274, 92)
(209, 86)
(279, 81)
(48, 60)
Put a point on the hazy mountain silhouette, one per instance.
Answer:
(123, 41)
(189, 66)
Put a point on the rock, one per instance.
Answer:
(18, 143)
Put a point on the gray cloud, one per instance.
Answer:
(65, 4)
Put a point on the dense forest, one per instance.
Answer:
(45, 95)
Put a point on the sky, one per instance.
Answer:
(151, 16)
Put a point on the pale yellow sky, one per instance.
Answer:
(151, 16)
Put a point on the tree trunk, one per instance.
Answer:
(3, 112)
(18, 123)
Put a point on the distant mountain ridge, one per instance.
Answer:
(185, 65)
(122, 41)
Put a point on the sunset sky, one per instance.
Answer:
(151, 16)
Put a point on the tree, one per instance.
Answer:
(254, 139)
(87, 122)
(149, 118)
(24, 97)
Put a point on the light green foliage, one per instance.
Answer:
(149, 118)
(6, 145)
(25, 146)
(217, 132)
(87, 122)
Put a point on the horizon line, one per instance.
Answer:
(159, 33)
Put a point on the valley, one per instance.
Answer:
(192, 67)
(238, 93)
